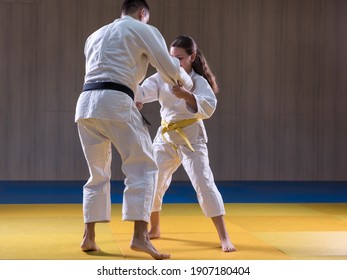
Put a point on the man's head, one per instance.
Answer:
(138, 9)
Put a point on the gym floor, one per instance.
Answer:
(265, 220)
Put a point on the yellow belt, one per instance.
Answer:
(177, 126)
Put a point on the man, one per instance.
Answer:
(117, 58)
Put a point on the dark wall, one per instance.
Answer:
(281, 65)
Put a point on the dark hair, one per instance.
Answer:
(200, 64)
(131, 6)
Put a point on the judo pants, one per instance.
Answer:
(197, 166)
(134, 145)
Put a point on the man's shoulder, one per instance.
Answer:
(99, 30)
(136, 24)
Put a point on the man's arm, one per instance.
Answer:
(167, 66)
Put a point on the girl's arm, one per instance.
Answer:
(181, 92)
(148, 91)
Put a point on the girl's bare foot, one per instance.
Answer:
(154, 233)
(227, 246)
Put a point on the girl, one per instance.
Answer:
(182, 138)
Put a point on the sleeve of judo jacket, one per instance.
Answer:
(167, 66)
(205, 98)
(149, 90)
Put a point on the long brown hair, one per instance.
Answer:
(200, 64)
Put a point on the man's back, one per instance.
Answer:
(116, 52)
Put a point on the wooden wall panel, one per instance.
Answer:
(329, 114)
(20, 64)
(281, 66)
(298, 63)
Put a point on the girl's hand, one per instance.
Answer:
(139, 105)
(180, 91)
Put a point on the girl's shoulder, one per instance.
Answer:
(198, 79)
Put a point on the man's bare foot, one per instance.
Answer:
(88, 243)
(88, 246)
(227, 246)
(145, 245)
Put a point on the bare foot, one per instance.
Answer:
(88, 245)
(227, 246)
(88, 241)
(145, 245)
(154, 234)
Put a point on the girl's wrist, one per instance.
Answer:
(188, 96)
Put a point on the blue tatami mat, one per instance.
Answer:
(37, 192)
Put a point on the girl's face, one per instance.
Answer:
(185, 59)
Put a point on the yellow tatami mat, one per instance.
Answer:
(259, 232)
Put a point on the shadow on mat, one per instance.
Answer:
(192, 242)
(102, 254)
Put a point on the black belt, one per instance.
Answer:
(112, 86)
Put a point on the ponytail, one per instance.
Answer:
(201, 67)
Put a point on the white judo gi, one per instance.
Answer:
(120, 52)
(195, 163)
